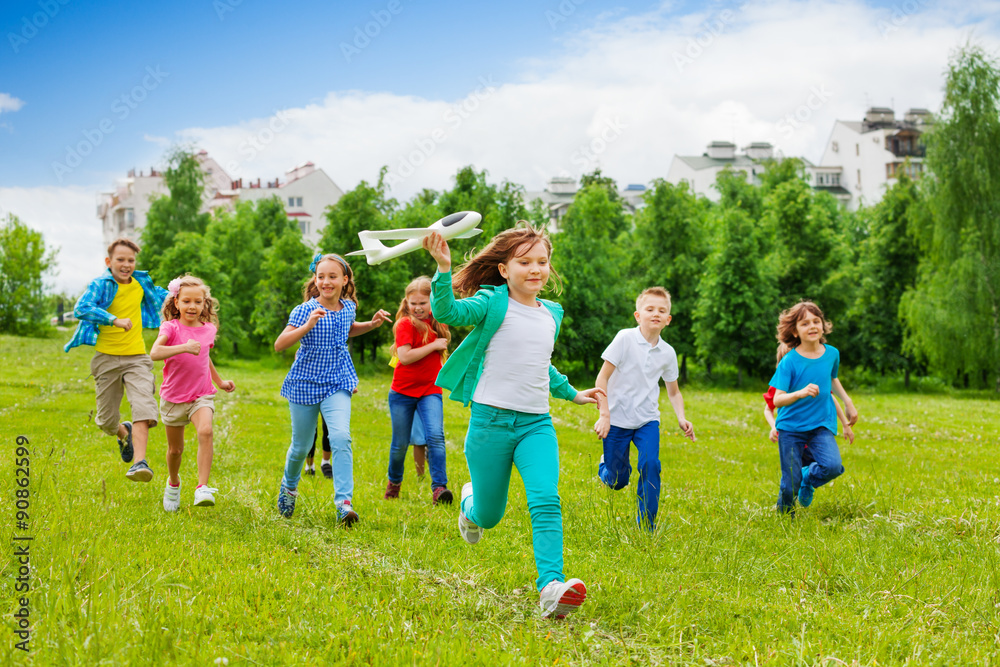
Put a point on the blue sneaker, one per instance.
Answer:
(805, 489)
(346, 514)
(139, 472)
(286, 501)
(125, 446)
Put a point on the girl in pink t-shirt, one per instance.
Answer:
(187, 395)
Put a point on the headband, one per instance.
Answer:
(174, 287)
(319, 257)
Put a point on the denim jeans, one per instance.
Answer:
(336, 410)
(497, 440)
(431, 414)
(825, 465)
(614, 471)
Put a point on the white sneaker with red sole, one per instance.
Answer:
(559, 598)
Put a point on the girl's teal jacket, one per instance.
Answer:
(486, 310)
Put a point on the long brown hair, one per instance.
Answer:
(311, 291)
(788, 319)
(483, 267)
(208, 311)
(421, 285)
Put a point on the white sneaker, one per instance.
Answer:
(204, 496)
(471, 533)
(558, 598)
(172, 497)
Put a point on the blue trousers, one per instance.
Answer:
(615, 469)
(497, 440)
(825, 465)
(336, 410)
(402, 409)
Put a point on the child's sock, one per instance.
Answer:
(174, 485)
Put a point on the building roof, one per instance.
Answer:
(699, 162)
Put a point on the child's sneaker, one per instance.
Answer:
(327, 469)
(346, 514)
(443, 495)
(805, 489)
(392, 490)
(471, 533)
(172, 497)
(140, 472)
(286, 501)
(558, 598)
(125, 446)
(204, 496)
(310, 471)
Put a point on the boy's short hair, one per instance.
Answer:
(121, 240)
(653, 291)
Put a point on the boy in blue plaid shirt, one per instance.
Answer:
(109, 312)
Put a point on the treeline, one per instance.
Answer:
(912, 283)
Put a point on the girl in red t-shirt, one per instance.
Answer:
(421, 344)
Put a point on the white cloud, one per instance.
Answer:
(66, 216)
(9, 103)
(653, 85)
(622, 87)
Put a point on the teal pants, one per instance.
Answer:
(498, 439)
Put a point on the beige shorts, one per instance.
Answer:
(179, 414)
(131, 375)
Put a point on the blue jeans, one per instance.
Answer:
(431, 411)
(614, 471)
(825, 465)
(497, 440)
(336, 411)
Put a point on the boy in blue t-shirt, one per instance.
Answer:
(807, 417)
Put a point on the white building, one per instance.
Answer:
(560, 191)
(306, 193)
(700, 171)
(873, 151)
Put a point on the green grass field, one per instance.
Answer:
(895, 563)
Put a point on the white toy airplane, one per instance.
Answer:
(460, 225)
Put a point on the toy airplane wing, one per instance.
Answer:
(412, 233)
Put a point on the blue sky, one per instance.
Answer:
(521, 89)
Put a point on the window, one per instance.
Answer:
(835, 146)
(857, 151)
(859, 178)
(298, 201)
(130, 218)
(291, 201)
(304, 227)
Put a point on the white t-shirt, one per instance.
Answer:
(634, 388)
(516, 364)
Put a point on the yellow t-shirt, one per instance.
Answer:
(126, 304)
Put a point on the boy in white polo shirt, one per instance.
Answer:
(633, 365)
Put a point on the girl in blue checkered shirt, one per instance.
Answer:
(322, 377)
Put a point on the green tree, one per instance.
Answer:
(736, 314)
(588, 252)
(736, 192)
(953, 314)
(671, 243)
(367, 207)
(24, 262)
(178, 212)
(501, 206)
(887, 268)
(810, 253)
(237, 245)
(285, 270)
